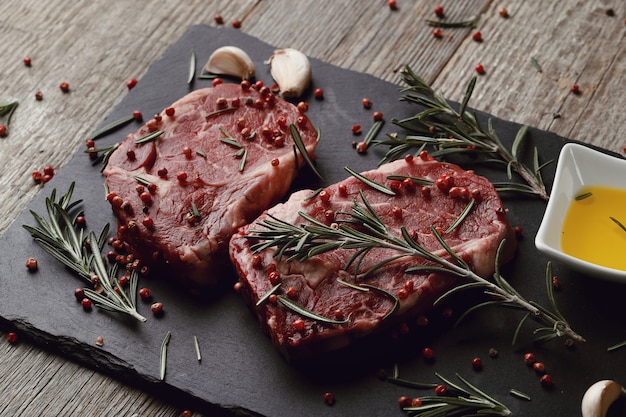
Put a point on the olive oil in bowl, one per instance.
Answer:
(594, 228)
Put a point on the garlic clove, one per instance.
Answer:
(231, 60)
(599, 397)
(291, 70)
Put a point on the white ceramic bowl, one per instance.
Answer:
(578, 166)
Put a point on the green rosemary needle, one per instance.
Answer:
(163, 355)
(438, 125)
(364, 230)
(191, 74)
(59, 236)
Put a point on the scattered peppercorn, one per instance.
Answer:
(546, 381)
(86, 303)
(367, 103)
(610, 12)
(31, 264)
(186, 413)
(65, 87)
(39, 96)
(477, 364)
(529, 358)
(441, 389)
(130, 84)
(437, 33)
(480, 69)
(318, 93)
(439, 11)
(218, 19)
(145, 294)
(12, 337)
(393, 4)
(503, 12)
(236, 23)
(157, 309)
(493, 353)
(428, 354)
(575, 89)
(99, 341)
(329, 398)
(27, 61)
(477, 36)
(539, 367)
(3, 130)
(377, 116)
(404, 401)
(555, 283)
(356, 130)
(303, 107)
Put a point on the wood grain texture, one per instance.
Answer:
(98, 45)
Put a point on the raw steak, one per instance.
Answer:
(225, 155)
(316, 284)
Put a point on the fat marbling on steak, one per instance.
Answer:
(318, 284)
(225, 154)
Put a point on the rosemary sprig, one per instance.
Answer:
(111, 127)
(149, 137)
(302, 149)
(471, 401)
(364, 230)
(163, 355)
(472, 23)
(60, 237)
(450, 131)
(104, 154)
(7, 110)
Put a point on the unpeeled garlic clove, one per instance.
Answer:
(291, 70)
(231, 60)
(599, 397)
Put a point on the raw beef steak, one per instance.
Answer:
(318, 284)
(221, 157)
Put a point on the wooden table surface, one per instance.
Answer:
(97, 45)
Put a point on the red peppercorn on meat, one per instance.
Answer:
(180, 196)
(318, 284)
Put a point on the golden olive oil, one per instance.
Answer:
(591, 231)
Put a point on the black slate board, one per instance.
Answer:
(240, 372)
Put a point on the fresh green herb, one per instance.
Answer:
(583, 196)
(293, 306)
(149, 137)
(448, 131)
(535, 63)
(60, 237)
(410, 384)
(616, 346)
(220, 111)
(375, 185)
(244, 156)
(7, 110)
(141, 180)
(617, 222)
(519, 394)
(163, 355)
(207, 76)
(416, 180)
(194, 210)
(302, 149)
(471, 401)
(364, 230)
(111, 127)
(196, 344)
(201, 153)
(314, 194)
(461, 217)
(374, 131)
(472, 23)
(231, 142)
(267, 295)
(104, 154)
(192, 66)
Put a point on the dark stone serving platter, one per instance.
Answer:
(240, 372)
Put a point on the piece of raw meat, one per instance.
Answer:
(318, 284)
(223, 156)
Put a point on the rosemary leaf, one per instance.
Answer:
(141, 180)
(416, 180)
(519, 394)
(242, 163)
(461, 217)
(536, 64)
(303, 151)
(314, 194)
(267, 295)
(291, 305)
(374, 131)
(163, 355)
(457, 24)
(583, 196)
(617, 222)
(192, 66)
(375, 185)
(218, 112)
(111, 127)
(201, 153)
(149, 137)
(231, 142)
(196, 344)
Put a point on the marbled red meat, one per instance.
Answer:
(179, 197)
(317, 281)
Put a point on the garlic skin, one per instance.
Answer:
(291, 70)
(599, 397)
(231, 60)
